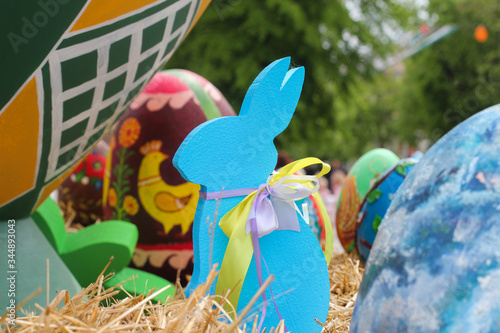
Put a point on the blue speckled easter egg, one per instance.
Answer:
(435, 264)
(376, 203)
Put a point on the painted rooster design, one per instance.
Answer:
(168, 204)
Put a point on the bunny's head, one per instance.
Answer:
(238, 152)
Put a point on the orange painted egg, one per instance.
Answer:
(141, 184)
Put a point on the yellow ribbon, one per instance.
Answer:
(239, 250)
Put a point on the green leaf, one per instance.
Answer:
(376, 222)
(374, 195)
(401, 170)
(125, 189)
(79, 176)
(128, 172)
(350, 247)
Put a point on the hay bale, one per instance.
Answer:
(94, 309)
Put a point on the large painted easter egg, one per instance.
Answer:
(376, 203)
(357, 183)
(69, 71)
(435, 264)
(141, 184)
(80, 195)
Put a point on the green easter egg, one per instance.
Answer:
(357, 184)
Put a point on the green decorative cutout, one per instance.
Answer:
(401, 169)
(376, 222)
(86, 252)
(137, 282)
(374, 195)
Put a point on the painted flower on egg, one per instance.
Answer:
(112, 197)
(130, 205)
(129, 132)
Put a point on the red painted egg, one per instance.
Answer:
(80, 195)
(141, 184)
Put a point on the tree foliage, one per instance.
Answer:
(455, 78)
(335, 40)
(440, 87)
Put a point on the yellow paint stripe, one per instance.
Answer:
(19, 144)
(99, 11)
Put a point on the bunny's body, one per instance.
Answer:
(236, 153)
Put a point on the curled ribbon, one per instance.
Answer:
(270, 207)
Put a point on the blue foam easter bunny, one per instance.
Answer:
(232, 153)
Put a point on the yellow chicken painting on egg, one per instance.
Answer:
(170, 205)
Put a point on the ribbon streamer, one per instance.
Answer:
(270, 207)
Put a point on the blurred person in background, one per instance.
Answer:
(337, 179)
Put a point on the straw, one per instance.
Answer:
(95, 309)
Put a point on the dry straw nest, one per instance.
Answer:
(94, 309)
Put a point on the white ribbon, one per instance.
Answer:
(274, 206)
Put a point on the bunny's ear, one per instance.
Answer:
(272, 71)
(273, 96)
